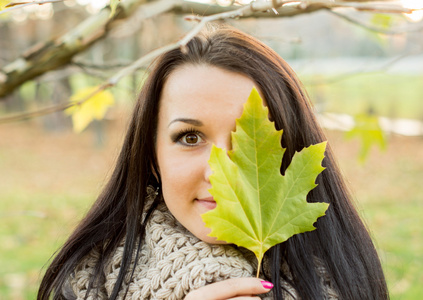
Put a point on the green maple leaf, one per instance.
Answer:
(257, 207)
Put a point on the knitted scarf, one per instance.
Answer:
(172, 262)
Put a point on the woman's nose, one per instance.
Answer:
(207, 173)
(225, 144)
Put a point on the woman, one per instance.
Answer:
(191, 99)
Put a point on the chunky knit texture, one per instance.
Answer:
(172, 262)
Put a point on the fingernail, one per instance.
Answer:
(267, 285)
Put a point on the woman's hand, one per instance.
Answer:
(236, 288)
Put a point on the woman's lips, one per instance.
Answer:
(208, 202)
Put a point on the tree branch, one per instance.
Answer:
(365, 71)
(283, 10)
(108, 66)
(59, 52)
(374, 28)
(50, 109)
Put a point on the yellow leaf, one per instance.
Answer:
(95, 107)
(3, 4)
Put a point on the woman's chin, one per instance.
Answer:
(213, 240)
(204, 236)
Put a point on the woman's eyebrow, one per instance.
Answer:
(188, 121)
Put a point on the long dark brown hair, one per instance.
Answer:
(341, 242)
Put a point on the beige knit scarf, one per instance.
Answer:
(172, 263)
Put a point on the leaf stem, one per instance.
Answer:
(258, 267)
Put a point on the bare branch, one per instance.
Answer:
(90, 72)
(50, 109)
(374, 28)
(253, 7)
(291, 8)
(108, 66)
(379, 69)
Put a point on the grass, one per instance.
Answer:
(47, 183)
(30, 233)
(48, 180)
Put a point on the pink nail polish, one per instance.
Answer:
(267, 285)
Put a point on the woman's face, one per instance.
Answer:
(198, 108)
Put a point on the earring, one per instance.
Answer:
(152, 192)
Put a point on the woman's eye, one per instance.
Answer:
(191, 139)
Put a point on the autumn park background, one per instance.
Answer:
(362, 68)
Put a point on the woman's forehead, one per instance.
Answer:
(197, 86)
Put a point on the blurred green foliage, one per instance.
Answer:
(392, 96)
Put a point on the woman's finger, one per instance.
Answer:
(231, 289)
